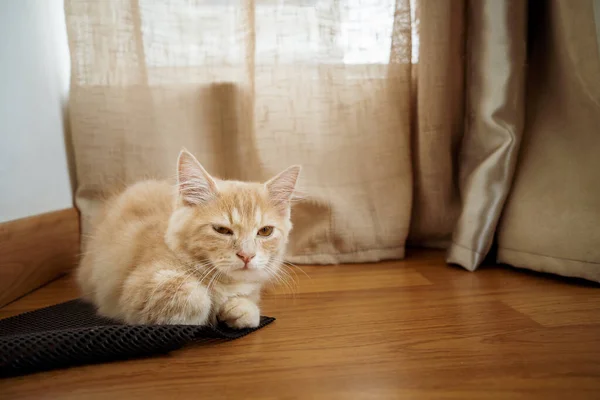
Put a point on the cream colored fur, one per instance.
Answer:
(190, 254)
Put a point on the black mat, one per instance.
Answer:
(71, 333)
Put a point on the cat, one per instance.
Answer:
(195, 254)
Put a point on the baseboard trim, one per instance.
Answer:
(36, 250)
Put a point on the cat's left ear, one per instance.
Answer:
(195, 185)
(281, 188)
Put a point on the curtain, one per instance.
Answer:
(551, 222)
(407, 115)
(251, 88)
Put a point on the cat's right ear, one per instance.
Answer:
(195, 185)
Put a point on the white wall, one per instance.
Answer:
(34, 81)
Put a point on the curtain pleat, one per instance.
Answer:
(494, 113)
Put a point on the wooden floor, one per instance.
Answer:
(416, 329)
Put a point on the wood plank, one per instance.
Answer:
(559, 309)
(349, 277)
(58, 291)
(36, 250)
(364, 332)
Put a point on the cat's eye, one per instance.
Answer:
(265, 231)
(222, 230)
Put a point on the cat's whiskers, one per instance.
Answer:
(207, 274)
(284, 267)
(293, 281)
(290, 282)
(216, 276)
(293, 266)
(274, 279)
(284, 280)
(196, 268)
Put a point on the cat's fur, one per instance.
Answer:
(156, 255)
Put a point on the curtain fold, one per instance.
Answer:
(468, 122)
(438, 121)
(495, 97)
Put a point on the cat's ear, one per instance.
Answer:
(195, 185)
(281, 188)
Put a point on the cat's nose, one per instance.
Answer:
(245, 257)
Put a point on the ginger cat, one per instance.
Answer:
(194, 254)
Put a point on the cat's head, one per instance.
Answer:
(238, 228)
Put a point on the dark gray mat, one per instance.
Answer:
(70, 334)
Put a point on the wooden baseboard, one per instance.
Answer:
(36, 250)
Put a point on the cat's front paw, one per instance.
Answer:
(240, 313)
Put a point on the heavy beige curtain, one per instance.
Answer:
(407, 115)
(551, 222)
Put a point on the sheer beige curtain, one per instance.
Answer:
(250, 88)
(407, 115)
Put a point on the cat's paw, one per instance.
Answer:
(167, 297)
(240, 313)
